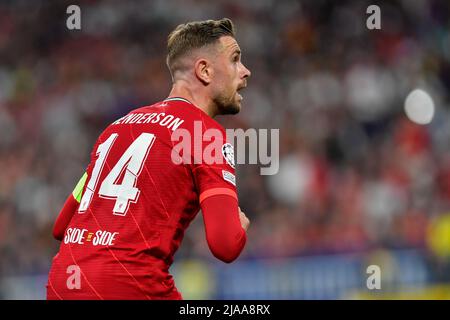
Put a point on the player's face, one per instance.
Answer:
(230, 75)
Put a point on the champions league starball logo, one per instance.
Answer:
(228, 154)
(205, 147)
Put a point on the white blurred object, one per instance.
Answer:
(419, 107)
(291, 183)
(370, 91)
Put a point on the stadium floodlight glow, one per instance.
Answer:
(419, 107)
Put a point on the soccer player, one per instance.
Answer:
(126, 218)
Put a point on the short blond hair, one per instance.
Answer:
(192, 35)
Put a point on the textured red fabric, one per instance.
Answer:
(64, 217)
(225, 236)
(123, 249)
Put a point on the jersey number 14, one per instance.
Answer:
(130, 164)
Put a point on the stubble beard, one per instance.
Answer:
(227, 105)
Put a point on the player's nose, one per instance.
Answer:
(246, 72)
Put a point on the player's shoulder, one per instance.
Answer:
(187, 115)
(146, 108)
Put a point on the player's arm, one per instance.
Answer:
(68, 210)
(225, 224)
(214, 177)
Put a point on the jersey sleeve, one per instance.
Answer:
(68, 209)
(225, 236)
(214, 169)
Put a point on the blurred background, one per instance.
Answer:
(363, 115)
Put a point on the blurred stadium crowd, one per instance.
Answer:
(355, 174)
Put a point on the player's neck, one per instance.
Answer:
(201, 102)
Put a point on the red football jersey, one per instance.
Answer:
(137, 202)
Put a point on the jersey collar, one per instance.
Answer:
(177, 99)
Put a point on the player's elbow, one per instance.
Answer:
(58, 234)
(227, 249)
(224, 256)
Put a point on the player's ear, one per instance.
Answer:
(203, 71)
